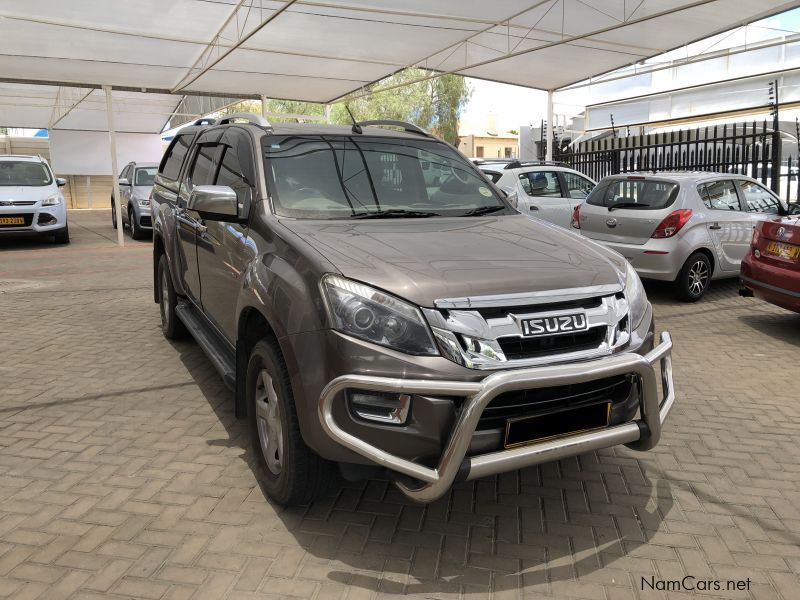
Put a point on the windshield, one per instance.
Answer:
(634, 193)
(321, 177)
(145, 176)
(24, 173)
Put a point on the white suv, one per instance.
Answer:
(30, 198)
(545, 190)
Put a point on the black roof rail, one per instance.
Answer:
(516, 164)
(492, 161)
(205, 121)
(409, 127)
(247, 117)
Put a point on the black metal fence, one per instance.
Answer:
(744, 148)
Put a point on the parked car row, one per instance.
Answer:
(688, 228)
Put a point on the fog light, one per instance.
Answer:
(46, 219)
(380, 407)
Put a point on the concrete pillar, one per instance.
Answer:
(550, 127)
(112, 138)
(263, 106)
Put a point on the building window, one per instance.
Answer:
(479, 151)
(508, 152)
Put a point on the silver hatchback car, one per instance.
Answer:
(688, 228)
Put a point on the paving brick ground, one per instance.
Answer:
(123, 473)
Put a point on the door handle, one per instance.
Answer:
(715, 226)
(532, 207)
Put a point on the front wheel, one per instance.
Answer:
(136, 231)
(61, 236)
(171, 326)
(290, 472)
(694, 278)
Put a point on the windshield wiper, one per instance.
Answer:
(481, 210)
(395, 213)
(627, 205)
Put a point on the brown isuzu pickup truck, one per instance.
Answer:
(369, 317)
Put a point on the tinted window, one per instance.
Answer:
(758, 199)
(201, 173)
(719, 195)
(24, 173)
(171, 166)
(230, 174)
(493, 176)
(145, 176)
(577, 186)
(344, 177)
(541, 183)
(636, 193)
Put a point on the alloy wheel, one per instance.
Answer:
(268, 420)
(698, 277)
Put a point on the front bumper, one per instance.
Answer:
(38, 219)
(453, 464)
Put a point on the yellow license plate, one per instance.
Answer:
(782, 250)
(12, 220)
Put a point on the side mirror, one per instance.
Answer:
(61, 182)
(214, 202)
(511, 196)
(124, 182)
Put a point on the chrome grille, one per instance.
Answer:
(490, 335)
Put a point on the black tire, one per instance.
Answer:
(694, 279)
(296, 474)
(136, 231)
(113, 215)
(171, 326)
(62, 236)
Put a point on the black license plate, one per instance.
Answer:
(539, 428)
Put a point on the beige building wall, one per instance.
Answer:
(81, 191)
(489, 146)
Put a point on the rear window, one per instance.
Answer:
(634, 193)
(492, 176)
(171, 165)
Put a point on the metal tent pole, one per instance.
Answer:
(112, 137)
(550, 127)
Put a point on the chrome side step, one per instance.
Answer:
(215, 348)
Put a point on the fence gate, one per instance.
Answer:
(743, 148)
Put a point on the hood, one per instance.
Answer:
(28, 193)
(423, 260)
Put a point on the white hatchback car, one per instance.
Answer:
(545, 190)
(30, 198)
(683, 227)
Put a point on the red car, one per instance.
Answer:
(771, 269)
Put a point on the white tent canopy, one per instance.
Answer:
(316, 51)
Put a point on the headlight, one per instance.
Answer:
(373, 315)
(637, 299)
(51, 200)
(144, 202)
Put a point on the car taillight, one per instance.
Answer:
(576, 217)
(673, 223)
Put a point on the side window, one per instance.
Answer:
(758, 199)
(171, 164)
(577, 186)
(230, 174)
(541, 183)
(125, 173)
(719, 195)
(201, 172)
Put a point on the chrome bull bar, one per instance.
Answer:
(642, 434)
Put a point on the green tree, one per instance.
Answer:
(435, 104)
